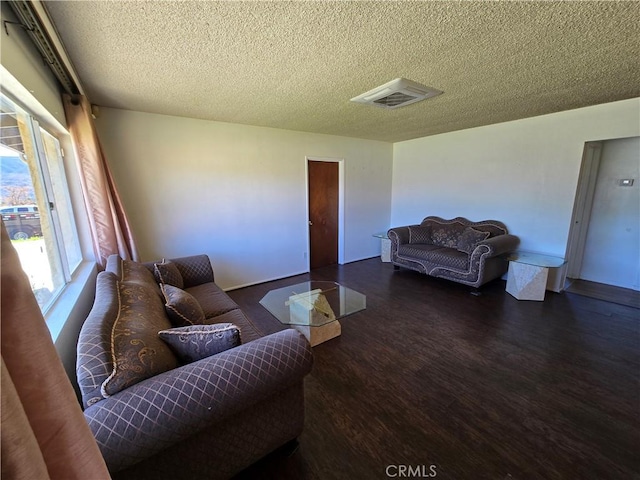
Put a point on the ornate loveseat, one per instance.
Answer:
(459, 249)
(156, 416)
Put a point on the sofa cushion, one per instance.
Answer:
(195, 342)
(494, 229)
(181, 307)
(213, 300)
(449, 258)
(167, 272)
(128, 271)
(445, 234)
(436, 256)
(420, 234)
(248, 331)
(416, 250)
(195, 270)
(470, 238)
(137, 352)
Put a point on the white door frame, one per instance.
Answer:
(340, 162)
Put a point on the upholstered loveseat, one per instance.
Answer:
(156, 416)
(459, 249)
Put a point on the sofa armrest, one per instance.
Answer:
(399, 235)
(152, 415)
(498, 245)
(195, 270)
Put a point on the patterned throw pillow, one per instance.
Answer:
(446, 234)
(420, 234)
(200, 341)
(137, 352)
(167, 272)
(182, 308)
(470, 238)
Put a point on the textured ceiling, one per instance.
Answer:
(295, 65)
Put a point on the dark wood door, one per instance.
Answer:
(323, 213)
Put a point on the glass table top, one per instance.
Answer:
(313, 303)
(536, 259)
(381, 235)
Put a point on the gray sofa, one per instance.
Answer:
(206, 419)
(458, 249)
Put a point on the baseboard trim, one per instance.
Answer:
(258, 282)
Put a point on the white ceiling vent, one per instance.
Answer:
(396, 93)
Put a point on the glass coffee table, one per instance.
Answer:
(528, 273)
(314, 307)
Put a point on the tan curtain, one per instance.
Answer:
(43, 433)
(109, 226)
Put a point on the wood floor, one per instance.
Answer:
(479, 387)
(609, 293)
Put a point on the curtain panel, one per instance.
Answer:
(43, 433)
(110, 228)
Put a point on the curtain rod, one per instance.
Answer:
(30, 20)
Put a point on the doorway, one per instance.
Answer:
(325, 210)
(604, 240)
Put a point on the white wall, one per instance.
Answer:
(612, 246)
(238, 193)
(524, 172)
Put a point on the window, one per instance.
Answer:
(35, 205)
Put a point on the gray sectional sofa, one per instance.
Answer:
(155, 417)
(458, 249)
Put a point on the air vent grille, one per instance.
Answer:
(396, 93)
(394, 99)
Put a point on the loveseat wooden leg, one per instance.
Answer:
(396, 267)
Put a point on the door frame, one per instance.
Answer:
(340, 162)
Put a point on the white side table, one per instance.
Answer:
(385, 246)
(528, 272)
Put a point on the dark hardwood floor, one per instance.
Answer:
(609, 293)
(481, 387)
